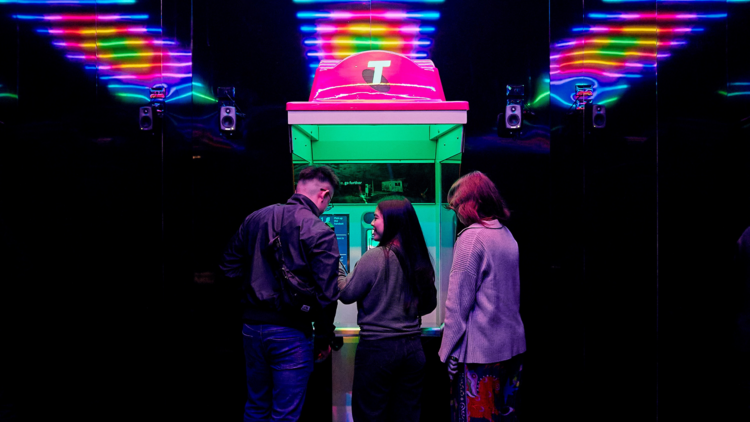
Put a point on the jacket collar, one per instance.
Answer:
(299, 199)
(491, 224)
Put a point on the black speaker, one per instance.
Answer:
(228, 118)
(146, 118)
(596, 115)
(513, 116)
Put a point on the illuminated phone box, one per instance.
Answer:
(381, 121)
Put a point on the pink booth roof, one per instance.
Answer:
(377, 80)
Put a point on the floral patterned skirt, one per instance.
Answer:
(486, 392)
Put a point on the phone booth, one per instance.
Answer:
(381, 121)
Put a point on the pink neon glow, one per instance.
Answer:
(97, 31)
(349, 53)
(146, 65)
(327, 29)
(626, 53)
(595, 71)
(152, 76)
(373, 14)
(636, 29)
(619, 42)
(660, 16)
(87, 17)
(104, 44)
(605, 63)
(115, 56)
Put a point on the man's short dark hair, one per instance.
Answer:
(319, 172)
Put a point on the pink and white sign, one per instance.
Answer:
(377, 80)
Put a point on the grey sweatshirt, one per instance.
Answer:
(380, 300)
(482, 319)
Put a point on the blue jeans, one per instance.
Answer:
(278, 363)
(388, 375)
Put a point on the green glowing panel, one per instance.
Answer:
(374, 142)
(301, 139)
(450, 144)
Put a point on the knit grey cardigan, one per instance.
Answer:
(482, 321)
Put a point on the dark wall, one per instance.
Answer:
(112, 301)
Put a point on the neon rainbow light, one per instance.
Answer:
(596, 72)
(636, 29)
(113, 43)
(611, 53)
(390, 15)
(81, 17)
(652, 16)
(379, 43)
(152, 76)
(349, 53)
(620, 41)
(138, 65)
(367, 29)
(606, 63)
(99, 31)
(120, 55)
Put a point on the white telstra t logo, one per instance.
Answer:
(378, 65)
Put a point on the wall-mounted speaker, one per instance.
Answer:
(227, 118)
(596, 116)
(513, 116)
(146, 118)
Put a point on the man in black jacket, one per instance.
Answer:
(279, 346)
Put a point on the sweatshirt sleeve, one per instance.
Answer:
(358, 283)
(462, 288)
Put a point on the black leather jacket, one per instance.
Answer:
(310, 252)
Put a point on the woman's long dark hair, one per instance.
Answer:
(403, 235)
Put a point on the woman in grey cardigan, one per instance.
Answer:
(483, 339)
(393, 285)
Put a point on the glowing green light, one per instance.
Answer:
(206, 97)
(540, 97)
(9, 95)
(723, 93)
(140, 97)
(609, 100)
(193, 93)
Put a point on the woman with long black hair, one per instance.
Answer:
(394, 286)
